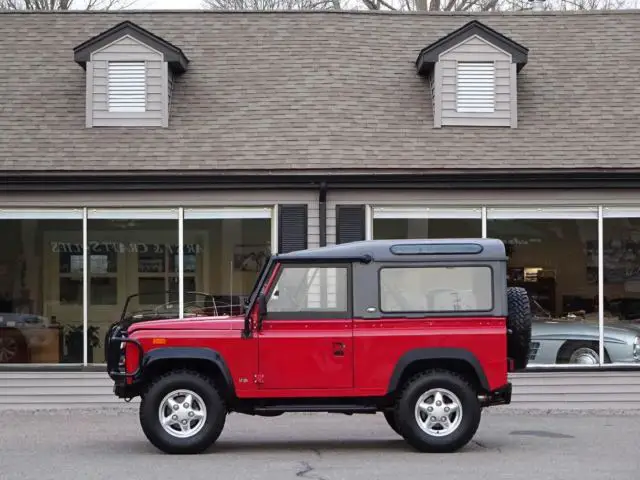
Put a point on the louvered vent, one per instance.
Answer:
(127, 86)
(475, 92)
(292, 235)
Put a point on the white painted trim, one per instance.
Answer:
(41, 214)
(543, 213)
(181, 263)
(484, 222)
(601, 285)
(368, 222)
(629, 211)
(133, 213)
(85, 287)
(228, 213)
(426, 213)
(466, 40)
(119, 39)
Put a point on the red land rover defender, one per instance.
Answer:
(423, 331)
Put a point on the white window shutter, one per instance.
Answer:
(127, 86)
(475, 87)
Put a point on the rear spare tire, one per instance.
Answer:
(519, 326)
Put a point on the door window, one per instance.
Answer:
(309, 291)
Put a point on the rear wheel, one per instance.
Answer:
(182, 412)
(438, 411)
(519, 326)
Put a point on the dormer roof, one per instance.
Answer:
(430, 54)
(173, 55)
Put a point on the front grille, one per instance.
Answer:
(533, 350)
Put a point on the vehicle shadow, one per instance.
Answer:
(287, 446)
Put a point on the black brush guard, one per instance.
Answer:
(115, 343)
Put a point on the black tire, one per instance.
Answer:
(469, 421)
(390, 417)
(215, 412)
(14, 347)
(571, 347)
(518, 326)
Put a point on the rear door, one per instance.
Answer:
(306, 339)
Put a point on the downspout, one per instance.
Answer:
(322, 201)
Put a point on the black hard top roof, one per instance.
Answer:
(416, 249)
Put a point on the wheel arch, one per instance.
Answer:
(202, 360)
(457, 360)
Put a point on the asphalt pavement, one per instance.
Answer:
(108, 444)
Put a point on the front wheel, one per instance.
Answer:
(182, 412)
(438, 412)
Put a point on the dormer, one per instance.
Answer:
(473, 77)
(130, 77)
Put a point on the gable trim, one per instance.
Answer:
(429, 55)
(119, 39)
(172, 54)
(471, 37)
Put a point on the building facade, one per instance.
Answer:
(239, 135)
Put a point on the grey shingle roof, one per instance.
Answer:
(316, 91)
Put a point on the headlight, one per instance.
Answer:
(636, 349)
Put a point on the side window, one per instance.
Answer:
(436, 289)
(309, 291)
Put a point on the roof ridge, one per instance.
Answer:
(550, 13)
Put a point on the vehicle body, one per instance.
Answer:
(404, 327)
(574, 339)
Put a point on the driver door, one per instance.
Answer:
(306, 339)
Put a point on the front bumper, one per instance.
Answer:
(125, 383)
(499, 396)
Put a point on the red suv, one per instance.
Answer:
(423, 331)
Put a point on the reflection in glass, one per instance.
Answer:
(128, 257)
(405, 228)
(556, 261)
(41, 291)
(621, 279)
(224, 258)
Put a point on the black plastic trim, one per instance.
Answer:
(188, 353)
(436, 354)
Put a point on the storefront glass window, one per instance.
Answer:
(555, 260)
(222, 259)
(41, 319)
(402, 223)
(621, 279)
(129, 256)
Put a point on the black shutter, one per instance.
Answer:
(292, 228)
(350, 223)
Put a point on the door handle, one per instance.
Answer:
(338, 349)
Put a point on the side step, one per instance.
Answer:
(328, 408)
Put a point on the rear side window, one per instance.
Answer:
(436, 289)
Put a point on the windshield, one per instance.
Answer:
(166, 305)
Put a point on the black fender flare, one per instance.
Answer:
(157, 355)
(436, 354)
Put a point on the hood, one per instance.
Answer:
(195, 323)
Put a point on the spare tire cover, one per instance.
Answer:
(519, 326)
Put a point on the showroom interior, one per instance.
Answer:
(43, 314)
(580, 264)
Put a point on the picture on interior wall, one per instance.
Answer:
(250, 257)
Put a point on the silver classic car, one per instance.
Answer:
(574, 339)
